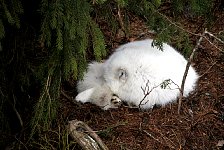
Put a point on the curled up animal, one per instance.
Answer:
(138, 74)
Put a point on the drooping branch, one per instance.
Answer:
(192, 33)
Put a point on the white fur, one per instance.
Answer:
(135, 69)
(93, 88)
(92, 78)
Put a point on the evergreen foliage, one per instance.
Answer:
(9, 13)
(199, 7)
(9, 16)
(68, 30)
(105, 10)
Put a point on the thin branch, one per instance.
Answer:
(120, 19)
(24, 145)
(207, 70)
(161, 142)
(17, 113)
(186, 70)
(173, 23)
(213, 44)
(210, 34)
(150, 135)
(66, 96)
(146, 92)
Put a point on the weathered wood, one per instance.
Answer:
(85, 136)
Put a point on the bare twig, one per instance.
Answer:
(146, 92)
(150, 135)
(71, 99)
(186, 70)
(66, 96)
(207, 70)
(210, 34)
(111, 127)
(120, 19)
(17, 113)
(213, 44)
(161, 142)
(24, 144)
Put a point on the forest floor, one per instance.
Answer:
(200, 124)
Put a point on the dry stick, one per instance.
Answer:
(120, 20)
(17, 113)
(208, 69)
(214, 44)
(210, 34)
(90, 141)
(147, 133)
(66, 96)
(186, 71)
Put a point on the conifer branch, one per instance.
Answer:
(195, 34)
(173, 23)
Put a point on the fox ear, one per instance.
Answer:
(122, 75)
(84, 96)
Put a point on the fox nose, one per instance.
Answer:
(116, 101)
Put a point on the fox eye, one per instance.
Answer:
(122, 75)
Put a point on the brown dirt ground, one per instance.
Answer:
(200, 124)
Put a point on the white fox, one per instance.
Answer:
(139, 74)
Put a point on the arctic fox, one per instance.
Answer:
(139, 74)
